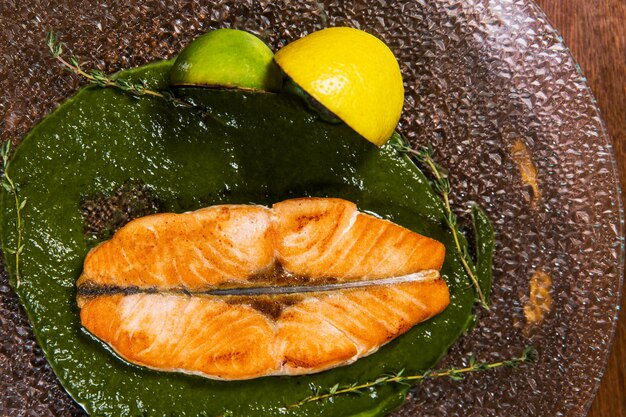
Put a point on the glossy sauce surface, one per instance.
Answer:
(255, 148)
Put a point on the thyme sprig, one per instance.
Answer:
(529, 355)
(9, 185)
(99, 78)
(441, 184)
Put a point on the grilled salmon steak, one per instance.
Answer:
(243, 291)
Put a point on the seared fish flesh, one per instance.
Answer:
(243, 291)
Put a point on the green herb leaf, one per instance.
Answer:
(485, 242)
(441, 184)
(381, 380)
(6, 150)
(9, 186)
(99, 78)
(529, 355)
(455, 374)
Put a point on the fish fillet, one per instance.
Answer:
(243, 291)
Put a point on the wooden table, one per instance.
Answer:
(595, 31)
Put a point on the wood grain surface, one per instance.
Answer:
(595, 32)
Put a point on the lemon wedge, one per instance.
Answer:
(351, 73)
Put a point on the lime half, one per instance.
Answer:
(227, 58)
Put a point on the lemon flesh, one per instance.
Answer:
(227, 58)
(353, 74)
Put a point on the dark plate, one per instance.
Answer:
(480, 76)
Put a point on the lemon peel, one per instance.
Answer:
(353, 74)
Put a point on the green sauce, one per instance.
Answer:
(259, 148)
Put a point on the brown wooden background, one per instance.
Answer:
(595, 31)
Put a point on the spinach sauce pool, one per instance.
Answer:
(254, 148)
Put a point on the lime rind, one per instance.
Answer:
(227, 58)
